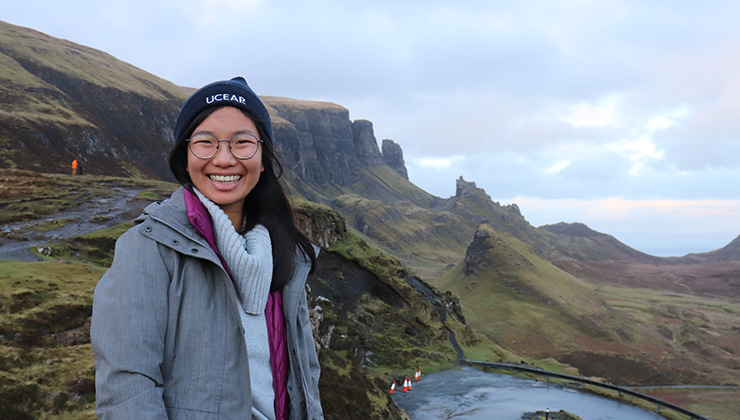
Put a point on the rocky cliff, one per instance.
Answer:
(320, 144)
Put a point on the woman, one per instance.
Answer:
(203, 314)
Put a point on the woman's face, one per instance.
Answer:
(224, 179)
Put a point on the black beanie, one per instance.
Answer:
(235, 92)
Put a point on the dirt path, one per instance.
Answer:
(94, 214)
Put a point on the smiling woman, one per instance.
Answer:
(204, 309)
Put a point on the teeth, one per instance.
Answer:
(225, 178)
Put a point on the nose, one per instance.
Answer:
(223, 156)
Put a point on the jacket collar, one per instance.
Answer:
(199, 217)
(173, 213)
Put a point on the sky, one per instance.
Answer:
(623, 115)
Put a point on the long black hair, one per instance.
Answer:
(267, 204)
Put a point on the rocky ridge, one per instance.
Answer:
(320, 144)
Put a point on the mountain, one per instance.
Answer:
(501, 276)
(578, 241)
(63, 101)
(401, 270)
(730, 252)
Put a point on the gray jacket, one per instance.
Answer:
(166, 333)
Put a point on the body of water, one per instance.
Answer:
(471, 394)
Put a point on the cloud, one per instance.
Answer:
(662, 227)
(437, 162)
(558, 166)
(592, 115)
(640, 151)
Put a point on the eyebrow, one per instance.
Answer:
(247, 131)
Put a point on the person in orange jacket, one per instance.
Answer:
(74, 167)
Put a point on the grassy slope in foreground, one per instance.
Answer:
(46, 364)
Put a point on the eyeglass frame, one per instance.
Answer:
(218, 146)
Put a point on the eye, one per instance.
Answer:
(203, 139)
(243, 139)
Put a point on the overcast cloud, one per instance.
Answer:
(623, 115)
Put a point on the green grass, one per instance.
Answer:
(46, 364)
(52, 224)
(385, 329)
(148, 195)
(354, 248)
(513, 290)
(425, 242)
(96, 247)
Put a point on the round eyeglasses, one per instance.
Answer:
(242, 146)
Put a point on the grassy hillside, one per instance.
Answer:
(380, 330)
(24, 53)
(373, 326)
(526, 304)
(428, 234)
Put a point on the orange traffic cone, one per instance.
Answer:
(393, 387)
(405, 385)
(409, 383)
(417, 376)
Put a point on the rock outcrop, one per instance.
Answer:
(322, 225)
(393, 157)
(477, 256)
(466, 189)
(366, 146)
